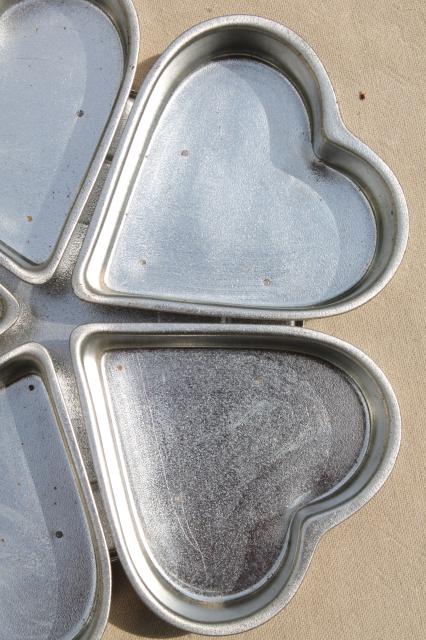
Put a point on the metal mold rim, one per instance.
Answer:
(37, 358)
(332, 133)
(129, 35)
(9, 309)
(312, 525)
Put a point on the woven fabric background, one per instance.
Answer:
(367, 580)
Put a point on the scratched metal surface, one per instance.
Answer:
(48, 574)
(66, 68)
(221, 447)
(48, 314)
(224, 452)
(237, 190)
(278, 232)
(65, 74)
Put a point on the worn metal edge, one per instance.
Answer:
(31, 351)
(9, 309)
(39, 274)
(333, 131)
(312, 527)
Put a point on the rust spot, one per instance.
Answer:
(142, 262)
(184, 153)
(29, 218)
(362, 95)
(267, 282)
(120, 367)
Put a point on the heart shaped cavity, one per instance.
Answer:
(238, 191)
(231, 204)
(63, 68)
(221, 448)
(54, 577)
(223, 453)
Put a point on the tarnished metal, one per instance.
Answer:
(224, 452)
(235, 191)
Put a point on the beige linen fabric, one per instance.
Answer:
(367, 580)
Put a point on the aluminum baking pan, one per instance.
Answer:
(66, 70)
(224, 452)
(55, 574)
(47, 314)
(237, 190)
